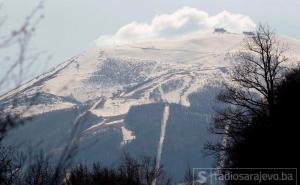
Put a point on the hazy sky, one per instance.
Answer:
(72, 26)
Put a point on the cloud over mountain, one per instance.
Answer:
(180, 23)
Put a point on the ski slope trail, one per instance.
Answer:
(164, 123)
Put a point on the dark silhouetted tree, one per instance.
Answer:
(260, 124)
(251, 90)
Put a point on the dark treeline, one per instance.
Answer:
(131, 171)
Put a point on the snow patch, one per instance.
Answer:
(128, 136)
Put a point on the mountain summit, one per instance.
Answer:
(151, 98)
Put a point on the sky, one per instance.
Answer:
(73, 26)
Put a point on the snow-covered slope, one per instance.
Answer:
(127, 92)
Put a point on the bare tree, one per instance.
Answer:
(15, 106)
(259, 71)
(15, 61)
(252, 87)
(40, 172)
(10, 166)
(14, 67)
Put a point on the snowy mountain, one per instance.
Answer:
(152, 98)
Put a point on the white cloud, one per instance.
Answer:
(180, 23)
